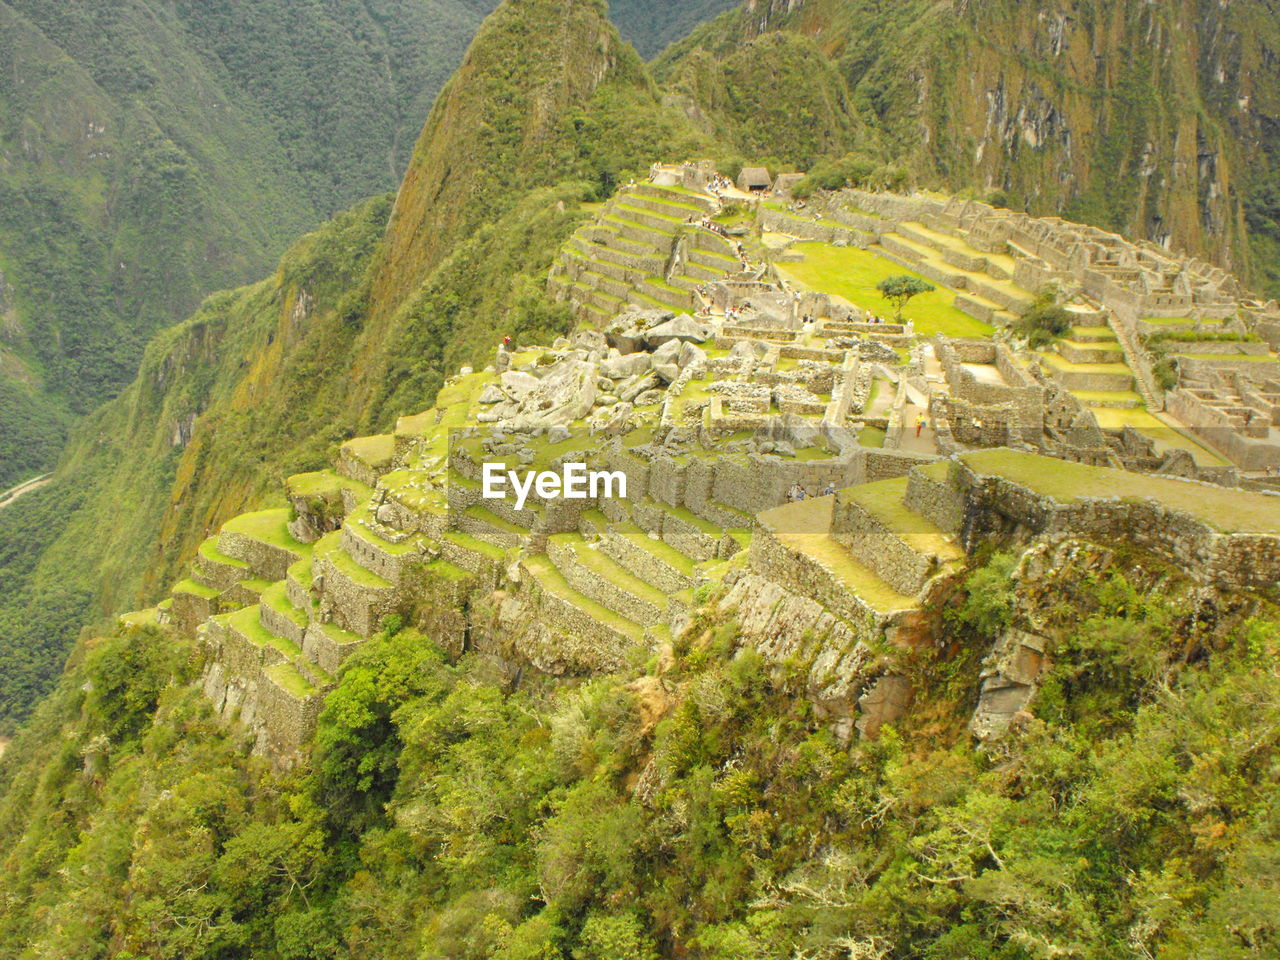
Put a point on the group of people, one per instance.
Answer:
(875, 318)
(797, 492)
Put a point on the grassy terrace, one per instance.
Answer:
(325, 483)
(209, 550)
(883, 500)
(659, 548)
(269, 527)
(1229, 511)
(1061, 363)
(365, 513)
(485, 515)
(1093, 334)
(375, 451)
(475, 545)
(195, 589)
(287, 677)
(1165, 435)
(853, 274)
(1002, 260)
(608, 569)
(275, 597)
(552, 580)
(248, 621)
(805, 528)
(330, 548)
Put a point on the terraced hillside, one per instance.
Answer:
(647, 248)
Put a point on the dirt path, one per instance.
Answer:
(9, 496)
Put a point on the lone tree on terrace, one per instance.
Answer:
(902, 288)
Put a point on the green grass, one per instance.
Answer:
(288, 678)
(1061, 363)
(331, 548)
(1165, 436)
(375, 451)
(608, 569)
(804, 528)
(853, 274)
(872, 437)
(485, 515)
(267, 526)
(276, 598)
(691, 518)
(468, 542)
(659, 548)
(1110, 346)
(196, 589)
(209, 551)
(1106, 333)
(325, 483)
(552, 580)
(1089, 397)
(248, 621)
(1223, 509)
(883, 500)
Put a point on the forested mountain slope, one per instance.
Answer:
(152, 152)
(357, 326)
(1159, 120)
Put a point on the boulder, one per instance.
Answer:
(637, 385)
(667, 371)
(689, 354)
(491, 394)
(683, 327)
(515, 383)
(621, 367)
(669, 352)
(748, 350)
(557, 434)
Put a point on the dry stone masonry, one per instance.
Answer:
(819, 475)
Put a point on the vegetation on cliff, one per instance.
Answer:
(1155, 120)
(694, 808)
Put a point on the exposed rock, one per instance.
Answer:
(1009, 682)
(689, 354)
(683, 327)
(491, 394)
(624, 366)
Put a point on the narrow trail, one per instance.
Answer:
(9, 496)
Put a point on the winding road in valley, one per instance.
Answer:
(9, 496)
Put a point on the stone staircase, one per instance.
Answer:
(869, 554)
(645, 249)
(1090, 364)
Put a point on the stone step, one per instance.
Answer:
(263, 541)
(472, 554)
(795, 547)
(597, 576)
(280, 616)
(1108, 377)
(215, 569)
(193, 604)
(649, 558)
(649, 262)
(902, 547)
(672, 298)
(1097, 351)
(485, 525)
(327, 646)
(575, 613)
(298, 582)
(639, 233)
(291, 682)
(390, 553)
(680, 528)
(367, 458)
(688, 198)
(659, 222)
(246, 627)
(358, 598)
(665, 204)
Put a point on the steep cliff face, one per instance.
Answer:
(1155, 119)
(513, 117)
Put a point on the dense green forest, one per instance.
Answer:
(156, 152)
(693, 807)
